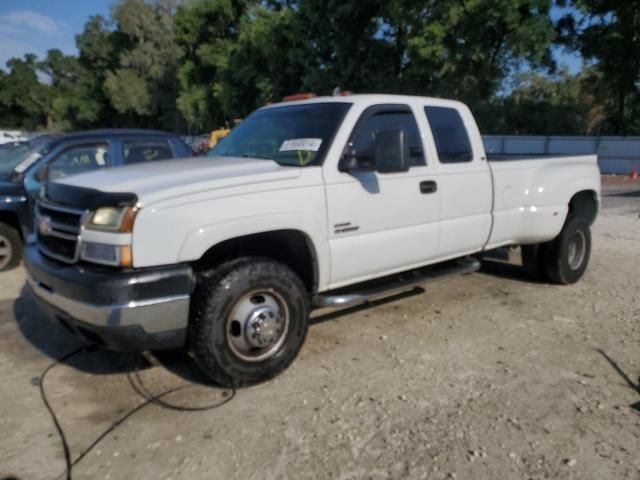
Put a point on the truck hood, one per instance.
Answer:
(167, 179)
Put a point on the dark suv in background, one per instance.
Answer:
(26, 167)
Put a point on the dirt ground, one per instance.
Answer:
(487, 376)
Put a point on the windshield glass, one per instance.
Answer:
(293, 135)
(20, 158)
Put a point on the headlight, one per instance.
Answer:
(113, 219)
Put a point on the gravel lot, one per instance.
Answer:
(487, 376)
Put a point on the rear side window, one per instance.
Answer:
(145, 151)
(450, 135)
(363, 141)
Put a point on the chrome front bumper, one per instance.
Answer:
(144, 309)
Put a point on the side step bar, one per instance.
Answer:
(363, 292)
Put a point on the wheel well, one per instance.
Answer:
(584, 204)
(291, 247)
(11, 219)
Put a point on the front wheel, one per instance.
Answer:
(249, 320)
(10, 248)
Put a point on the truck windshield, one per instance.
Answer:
(295, 135)
(12, 159)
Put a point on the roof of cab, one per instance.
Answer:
(119, 132)
(106, 133)
(370, 99)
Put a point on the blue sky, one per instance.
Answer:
(35, 26)
(38, 25)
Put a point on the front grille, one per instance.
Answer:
(58, 246)
(58, 232)
(61, 217)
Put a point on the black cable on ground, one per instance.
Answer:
(140, 389)
(135, 380)
(56, 423)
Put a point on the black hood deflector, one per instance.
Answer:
(87, 198)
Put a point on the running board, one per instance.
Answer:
(363, 292)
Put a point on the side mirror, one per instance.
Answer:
(391, 151)
(43, 174)
(352, 161)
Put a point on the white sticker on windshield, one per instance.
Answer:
(307, 144)
(27, 162)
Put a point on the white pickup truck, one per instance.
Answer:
(320, 202)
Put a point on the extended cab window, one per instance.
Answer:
(143, 151)
(374, 121)
(80, 159)
(450, 135)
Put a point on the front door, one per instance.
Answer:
(67, 162)
(381, 223)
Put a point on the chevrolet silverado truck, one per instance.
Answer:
(315, 203)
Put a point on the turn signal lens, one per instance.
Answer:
(126, 257)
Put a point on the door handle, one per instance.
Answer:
(428, 186)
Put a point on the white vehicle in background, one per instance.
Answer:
(312, 203)
(11, 136)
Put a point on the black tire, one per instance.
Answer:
(533, 261)
(10, 248)
(222, 290)
(567, 256)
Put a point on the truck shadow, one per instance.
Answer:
(52, 339)
(511, 271)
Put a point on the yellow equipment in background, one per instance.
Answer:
(218, 135)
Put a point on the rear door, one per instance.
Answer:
(381, 223)
(464, 180)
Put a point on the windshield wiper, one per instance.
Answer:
(252, 155)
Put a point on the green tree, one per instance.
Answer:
(342, 44)
(206, 31)
(98, 49)
(466, 49)
(71, 89)
(24, 100)
(560, 104)
(606, 33)
(264, 63)
(143, 86)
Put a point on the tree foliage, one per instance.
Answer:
(194, 65)
(606, 32)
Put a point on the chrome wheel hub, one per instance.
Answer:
(6, 251)
(257, 325)
(577, 250)
(264, 327)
